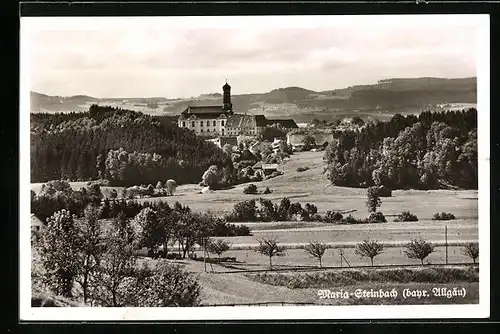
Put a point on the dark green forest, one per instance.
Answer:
(431, 151)
(122, 146)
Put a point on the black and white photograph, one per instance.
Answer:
(300, 167)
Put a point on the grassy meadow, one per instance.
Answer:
(311, 186)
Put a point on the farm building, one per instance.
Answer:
(246, 155)
(296, 139)
(221, 141)
(383, 191)
(284, 123)
(276, 143)
(268, 169)
(36, 223)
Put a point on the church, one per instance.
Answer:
(221, 121)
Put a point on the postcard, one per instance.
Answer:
(254, 167)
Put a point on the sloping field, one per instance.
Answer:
(313, 187)
(236, 288)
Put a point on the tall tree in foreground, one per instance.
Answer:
(90, 248)
(116, 272)
(369, 248)
(59, 245)
(270, 248)
(418, 249)
(167, 285)
(316, 249)
(373, 200)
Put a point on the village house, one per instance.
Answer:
(36, 223)
(296, 140)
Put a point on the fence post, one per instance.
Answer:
(204, 254)
(446, 241)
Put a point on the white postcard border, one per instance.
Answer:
(480, 310)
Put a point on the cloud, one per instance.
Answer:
(184, 61)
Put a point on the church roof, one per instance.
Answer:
(261, 120)
(246, 121)
(286, 123)
(226, 86)
(203, 109)
(202, 112)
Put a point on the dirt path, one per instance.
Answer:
(237, 289)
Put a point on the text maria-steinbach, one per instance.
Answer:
(393, 293)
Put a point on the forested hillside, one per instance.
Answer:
(431, 151)
(122, 146)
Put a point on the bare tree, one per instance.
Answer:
(316, 249)
(418, 249)
(218, 246)
(471, 250)
(369, 248)
(271, 248)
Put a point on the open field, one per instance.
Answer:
(251, 260)
(233, 287)
(313, 187)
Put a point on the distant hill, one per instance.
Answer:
(383, 98)
(41, 102)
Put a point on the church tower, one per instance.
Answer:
(228, 106)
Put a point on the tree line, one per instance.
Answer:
(417, 249)
(58, 195)
(101, 260)
(431, 151)
(127, 147)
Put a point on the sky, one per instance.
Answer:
(184, 57)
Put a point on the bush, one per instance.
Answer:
(222, 229)
(406, 216)
(309, 213)
(250, 189)
(267, 191)
(243, 211)
(332, 217)
(349, 220)
(377, 217)
(443, 216)
(302, 169)
(168, 285)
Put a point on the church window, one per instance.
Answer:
(222, 123)
(208, 123)
(201, 123)
(201, 130)
(183, 124)
(192, 124)
(214, 123)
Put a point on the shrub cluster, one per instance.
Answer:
(443, 216)
(406, 216)
(299, 280)
(250, 189)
